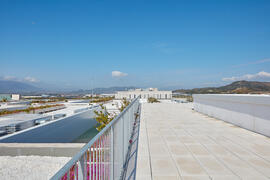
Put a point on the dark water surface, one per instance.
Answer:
(77, 128)
(86, 136)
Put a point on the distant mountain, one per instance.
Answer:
(103, 90)
(17, 87)
(27, 89)
(238, 87)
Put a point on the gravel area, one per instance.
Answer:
(30, 167)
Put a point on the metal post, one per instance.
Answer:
(94, 161)
(130, 122)
(89, 152)
(112, 155)
(96, 169)
(81, 164)
(99, 158)
(123, 142)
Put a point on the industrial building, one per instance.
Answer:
(145, 94)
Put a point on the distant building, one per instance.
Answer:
(145, 94)
(90, 95)
(15, 97)
(107, 95)
(45, 96)
(31, 97)
(9, 97)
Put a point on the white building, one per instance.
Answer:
(145, 94)
(15, 97)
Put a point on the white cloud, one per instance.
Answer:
(13, 78)
(253, 62)
(258, 76)
(117, 74)
(9, 78)
(31, 79)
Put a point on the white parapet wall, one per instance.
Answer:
(251, 112)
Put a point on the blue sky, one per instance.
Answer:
(176, 44)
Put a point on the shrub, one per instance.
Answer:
(125, 103)
(103, 117)
(27, 110)
(4, 100)
(153, 100)
(101, 99)
(189, 98)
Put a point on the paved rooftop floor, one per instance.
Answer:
(176, 142)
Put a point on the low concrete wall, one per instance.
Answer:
(36, 149)
(251, 112)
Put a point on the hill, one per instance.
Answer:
(103, 90)
(238, 87)
(16, 87)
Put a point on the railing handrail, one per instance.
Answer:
(75, 158)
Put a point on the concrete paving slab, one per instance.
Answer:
(163, 166)
(176, 142)
(188, 166)
(166, 177)
(195, 178)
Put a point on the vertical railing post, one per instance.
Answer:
(132, 117)
(99, 158)
(130, 121)
(112, 155)
(81, 169)
(123, 139)
(96, 169)
(90, 158)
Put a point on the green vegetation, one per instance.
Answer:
(27, 110)
(189, 98)
(152, 100)
(4, 100)
(103, 117)
(125, 103)
(43, 102)
(101, 99)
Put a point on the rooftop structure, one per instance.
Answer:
(144, 94)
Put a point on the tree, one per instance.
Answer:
(125, 104)
(4, 100)
(103, 117)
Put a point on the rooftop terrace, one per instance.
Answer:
(176, 142)
(168, 141)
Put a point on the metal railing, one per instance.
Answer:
(104, 156)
